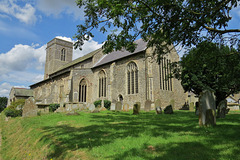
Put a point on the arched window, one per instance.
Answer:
(83, 91)
(164, 72)
(102, 84)
(63, 54)
(132, 78)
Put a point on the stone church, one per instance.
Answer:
(118, 76)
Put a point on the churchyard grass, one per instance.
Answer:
(120, 135)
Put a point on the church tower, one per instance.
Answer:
(58, 53)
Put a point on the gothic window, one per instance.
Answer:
(63, 54)
(132, 78)
(102, 84)
(83, 91)
(164, 72)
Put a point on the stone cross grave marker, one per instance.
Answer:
(118, 106)
(207, 109)
(30, 108)
(147, 106)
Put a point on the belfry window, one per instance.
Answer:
(63, 54)
(132, 78)
(83, 91)
(102, 84)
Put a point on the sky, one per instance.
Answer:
(26, 26)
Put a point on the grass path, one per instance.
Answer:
(120, 136)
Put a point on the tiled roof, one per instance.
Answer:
(23, 92)
(116, 55)
(78, 60)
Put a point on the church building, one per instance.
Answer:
(118, 76)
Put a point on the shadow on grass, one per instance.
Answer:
(109, 126)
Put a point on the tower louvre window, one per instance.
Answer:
(63, 54)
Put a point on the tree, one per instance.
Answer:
(158, 22)
(3, 103)
(213, 67)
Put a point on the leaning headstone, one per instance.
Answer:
(158, 110)
(30, 108)
(222, 107)
(168, 110)
(136, 108)
(126, 107)
(147, 106)
(191, 106)
(118, 106)
(207, 109)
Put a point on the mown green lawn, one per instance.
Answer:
(120, 135)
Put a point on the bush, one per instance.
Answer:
(53, 107)
(107, 104)
(15, 109)
(97, 103)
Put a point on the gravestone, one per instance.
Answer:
(118, 106)
(158, 110)
(197, 109)
(136, 108)
(222, 109)
(147, 106)
(126, 107)
(191, 106)
(113, 106)
(96, 110)
(185, 106)
(91, 107)
(207, 109)
(157, 103)
(168, 110)
(30, 108)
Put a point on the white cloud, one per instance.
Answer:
(24, 64)
(88, 47)
(5, 89)
(25, 14)
(20, 58)
(56, 8)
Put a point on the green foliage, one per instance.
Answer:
(3, 103)
(53, 107)
(107, 104)
(15, 109)
(213, 67)
(158, 22)
(97, 103)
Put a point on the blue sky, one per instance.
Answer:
(25, 28)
